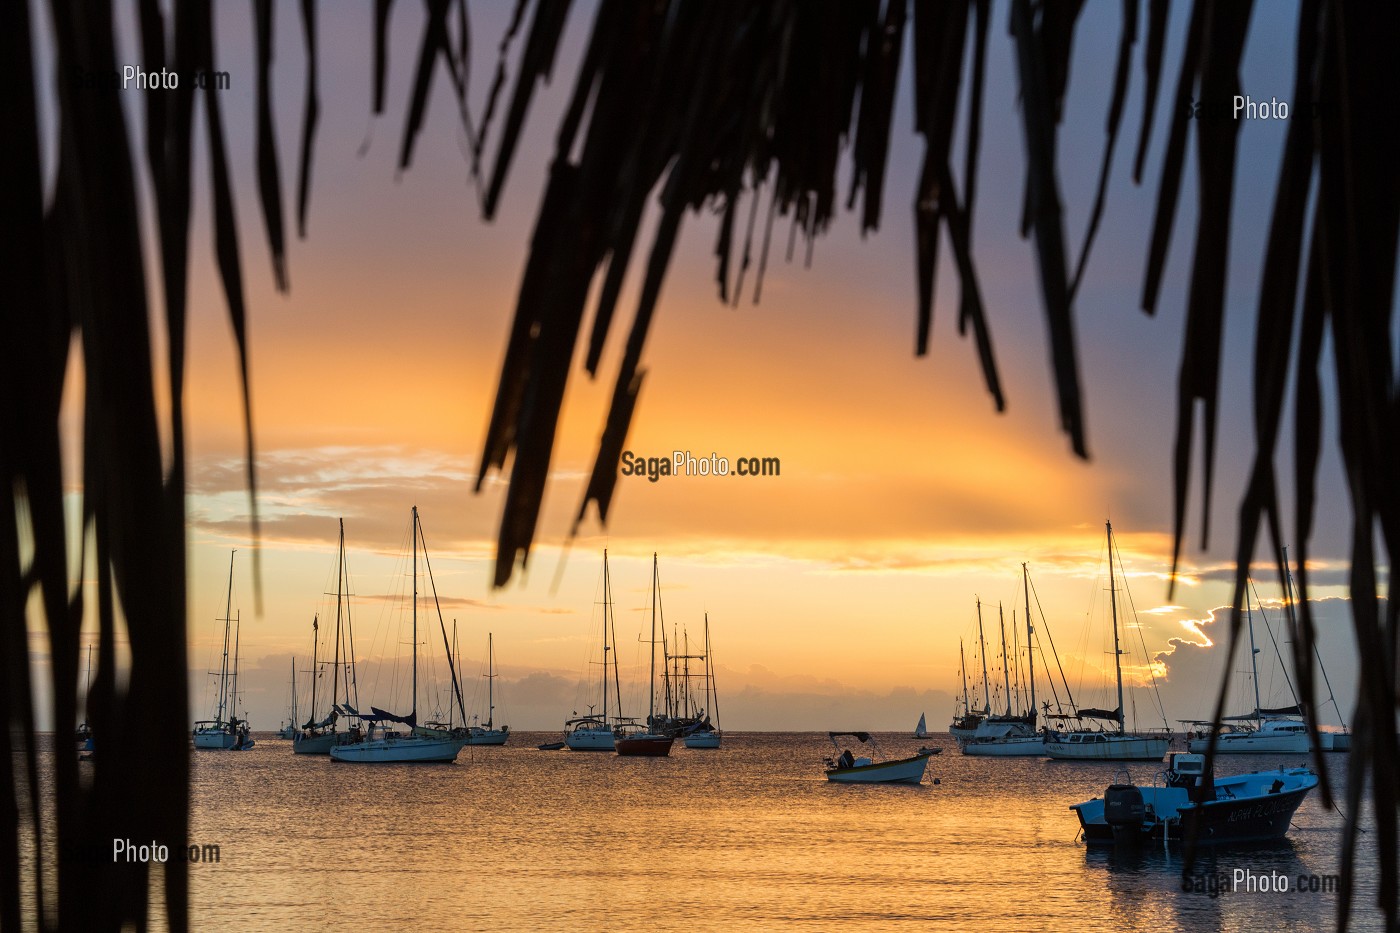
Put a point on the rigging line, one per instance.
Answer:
(1277, 653)
(1046, 625)
(1151, 673)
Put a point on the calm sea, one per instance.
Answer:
(748, 837)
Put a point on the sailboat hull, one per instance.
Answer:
(479, 736)
(648, 746)
(399, 748)
(220, 741)
(1018, 746)
(303, 744)
(589, 740)
(1253, 744)
(1106, 746)
(702, 740)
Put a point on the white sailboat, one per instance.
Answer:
(383, 745)
(1012, 735)
(319, 736)
(1261, 732)
(289, 728)
(226, 731)
(593, 733)
(707, 734)
(921, 730)
(488, 734)
(648, 741)
(1097, 745)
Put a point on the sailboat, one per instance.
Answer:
(1012, 735)
(593, 733)
(965, 724)
(318, 736)
(488, 734)
(381, 745)
(226, 731)
(289, 728)
(1261, 732)
(707, 732)
(83, 734)
(1099, 745)
(648, 741)
(921, 730)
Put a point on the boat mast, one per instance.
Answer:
(237, 630)
(339, 572)
(986, 690)
(352, 684)
(413, 715)
(490, 681)
(651, 688)
(962, 659)
(1005, 663)
(315, 627)
(711, 696)
(1253, 660)
(1030, 645)
(223, 669)
(294, 691)
(1117, 652)
(607, 600)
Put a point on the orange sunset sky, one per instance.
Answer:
(836, 592)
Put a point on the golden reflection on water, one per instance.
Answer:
(750, 836)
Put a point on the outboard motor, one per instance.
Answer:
(1124, 811)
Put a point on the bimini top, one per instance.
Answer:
(862, 736)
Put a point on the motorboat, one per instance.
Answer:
(1187, 801)
(848, 768)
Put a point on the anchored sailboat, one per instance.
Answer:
(226, 731)
(488, 734)
(381, 744)
(593, 733)
(318, 736)
(649, 741)
(1097, 745)
(289, 728)
(707, 733)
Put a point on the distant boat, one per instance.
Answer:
(83, 734)
(649, 741)
(965, 724)
(921, 730)
(289, 728)
(488, 734)
(594, 733)
(381, 745)
(1244, 808)
(226, 731)
(1013, 735)
(847, 768)
(707, 733)
(1094, 745)
(319, 736)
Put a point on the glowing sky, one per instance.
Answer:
(836, 592)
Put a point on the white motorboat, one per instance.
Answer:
(847, 768)
(1274, 736)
